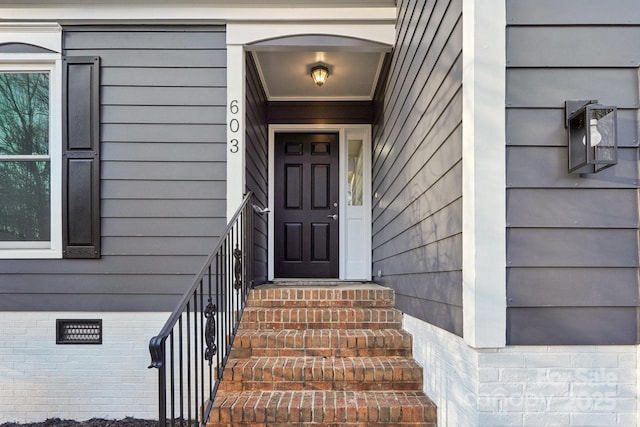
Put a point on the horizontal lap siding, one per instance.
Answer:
(257, 143)
(572, 241)
(417, 169)
(163, 97)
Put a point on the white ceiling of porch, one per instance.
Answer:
(285, 64)
(286, 75)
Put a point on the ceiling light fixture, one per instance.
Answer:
(319, 74)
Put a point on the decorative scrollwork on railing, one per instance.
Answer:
(237, 268)
(210, 331)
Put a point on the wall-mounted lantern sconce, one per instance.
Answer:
(319, 74)
(592, 136)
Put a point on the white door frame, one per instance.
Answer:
(354, 254)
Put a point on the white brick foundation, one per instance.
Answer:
(526, 385)
(41, 380)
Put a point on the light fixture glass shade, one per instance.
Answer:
(592, 137)
(319, 74)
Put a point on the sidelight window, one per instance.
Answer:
(354, 173)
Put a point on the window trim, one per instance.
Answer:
(51, 63)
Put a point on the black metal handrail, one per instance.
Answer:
(201, 329)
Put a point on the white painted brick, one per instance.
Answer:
(624, 420)
(557, 385)
(626, 390)
(617, 349)
(520, 349)
(627, 361)
(546, 420)
(488, 374)
(574, 404)
(501, 360)
(450, 372)
(499, 419)
(583, 349)
(619, 405)
(524, 404)
(487, 403)
(601, 375)
(500, 389)
(547, 389)
(547, 360)
(80, 382)
(595, 360)
(592, 420)
(519, 374)
(564, 375)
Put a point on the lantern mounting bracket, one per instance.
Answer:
(571, 107)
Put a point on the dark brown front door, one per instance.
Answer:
(306, 205)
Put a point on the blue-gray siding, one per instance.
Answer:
(257, 165)
(417, 169)
(572, 241)
(163, 96)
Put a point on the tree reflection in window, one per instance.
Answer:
(354, 173)
(24, 157)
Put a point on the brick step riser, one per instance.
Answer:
(318, 385)
(356, 424)
(344, 424)
(354, 374)
(319, 407)
(319, 304)
(301, 326)
(320, 318)
(284, 297)
(321, 344)
(245, 353)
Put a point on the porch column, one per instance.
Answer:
(235, 127)
(484, 170)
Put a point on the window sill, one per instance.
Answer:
(40, 253)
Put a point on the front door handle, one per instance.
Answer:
(334, 217)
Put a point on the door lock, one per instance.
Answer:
(334, 217)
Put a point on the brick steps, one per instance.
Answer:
(327, 343)
(319, 355)
(322, 408)
(322, 373)
(354, 296)
(320, 318)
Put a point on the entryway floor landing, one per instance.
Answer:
(319, 283)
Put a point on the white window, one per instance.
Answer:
(30, 142)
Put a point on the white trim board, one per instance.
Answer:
(190, 12)
(484, 171)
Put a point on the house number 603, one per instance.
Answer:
(234, 126)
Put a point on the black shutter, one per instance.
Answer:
(81, 157)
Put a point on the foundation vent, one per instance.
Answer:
(78, 331)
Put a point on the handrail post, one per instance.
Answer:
(157, 348)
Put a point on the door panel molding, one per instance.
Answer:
(306, 199)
